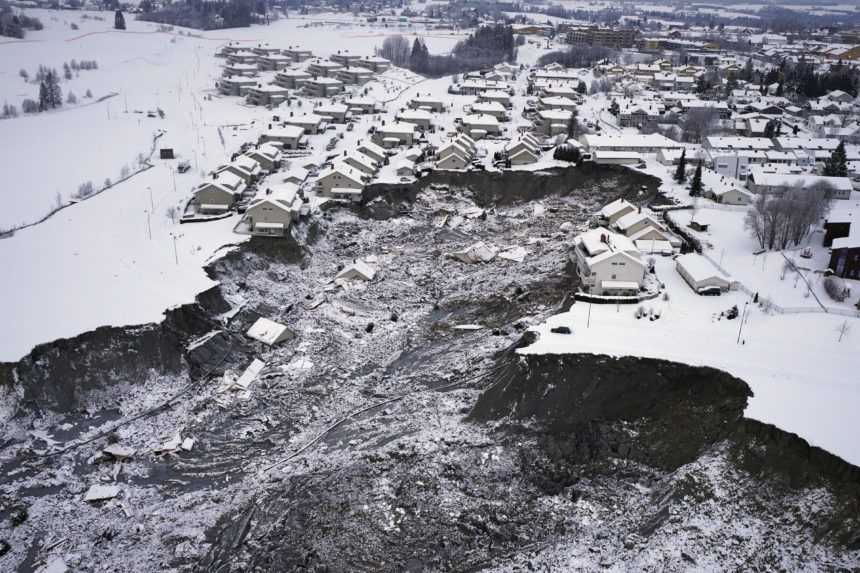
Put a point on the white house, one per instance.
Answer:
(244, 166)
(610, 213)
(273, 213)
(608, 263)
(340, 181)
(267, 155)
(288, 136)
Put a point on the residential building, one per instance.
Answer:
(297, 54)
(322, 87)
(272, 213)
(273, 62)
(427, 103)
(323, 68)
(422, 119)
(310, 123)
(776, 181)
(345, 59)
(395, 134)
(340, 181)
(235, 86)
(607, 263)
(375, 63)
(287, 137)
(607, 37)
(292, 79)
(267, 155)
(244, 166)
(354, 75)
(333, 112)
(267, 95)
(480, 126)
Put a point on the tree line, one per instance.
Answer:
(15, 25)
(486, 47)
(208, 15)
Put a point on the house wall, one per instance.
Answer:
(845, 263)
(265, 213)
(213, 196)
(332, 181)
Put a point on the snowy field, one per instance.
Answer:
(94, 263)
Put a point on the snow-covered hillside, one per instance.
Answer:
(94, 264)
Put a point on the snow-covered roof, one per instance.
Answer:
(268, 331)
(616, 207)
(698, 268)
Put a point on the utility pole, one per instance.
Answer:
(741, 325)
(175, 251)
(148, 225)
(842, 330)
(588, 321)
(151, 202)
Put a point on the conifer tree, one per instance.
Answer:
(681, 171)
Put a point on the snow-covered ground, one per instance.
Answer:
(93, 263)
(796, 365)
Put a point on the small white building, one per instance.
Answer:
(702, 276)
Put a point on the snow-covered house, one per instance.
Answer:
(608, 263)
(340, 181)
(292, 79)
(372, 150)
(322, 87)
(552, 121)
(272, 213)
(244, 166)
(479, 126)
(333, 112)
(610, 213)
(323, 68)
(421, 118)
(267, 155)
(288, 136)
(427, 103)
(217, 195)
(776, 181)
(311, 123)
(395, 134)
(375, 63)
(360, 161)
(494, 109)
(702, 276)
(354, 75)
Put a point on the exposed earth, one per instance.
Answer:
(399, 430)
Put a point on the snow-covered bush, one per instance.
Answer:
(29, 106)
(836, 289)
(85, 190)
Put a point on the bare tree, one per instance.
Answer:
(698, 123)
(778, 221)
(396, 49)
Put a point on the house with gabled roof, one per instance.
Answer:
(607, 263)
(244, 166)
(272, 213)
